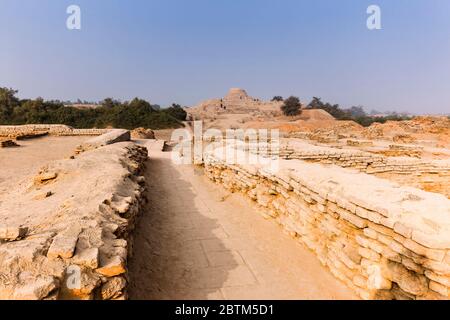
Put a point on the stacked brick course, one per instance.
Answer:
(43, 129)
(76, 242)
(384, 241)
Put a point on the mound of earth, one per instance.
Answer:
(237, 101)
(319, 127)
(237, 110)
(142, 133)
(316, 114)
(419, 128)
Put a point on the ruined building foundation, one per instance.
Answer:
(383, 240)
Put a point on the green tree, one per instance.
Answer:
(316, 103)
(109, 103)
(8, 101)
(277, 98)
(177, 112)
(140, 104)
(357, 111)
(291, 106)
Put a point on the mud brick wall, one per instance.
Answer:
(429, 175)
(382, 240)
(342, 157)
(361, 160)
(57, 130)
(83, 213)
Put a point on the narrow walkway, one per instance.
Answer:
(195, 241)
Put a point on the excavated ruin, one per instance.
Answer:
(382, 240)
(372, 204)
(69, 236)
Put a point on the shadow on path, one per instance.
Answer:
(170, 260)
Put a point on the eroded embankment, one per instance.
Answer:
(383, 240)
(66, 234)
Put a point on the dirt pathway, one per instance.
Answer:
(195, 241)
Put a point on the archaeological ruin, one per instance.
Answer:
(106, 214)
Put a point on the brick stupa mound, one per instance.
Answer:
(236, 101)
(240, 110)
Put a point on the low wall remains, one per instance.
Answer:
(112, 136)
(361, 160)
(297, 149)
(429, 175)
(66, 234)
(52, 129)
(384, 241)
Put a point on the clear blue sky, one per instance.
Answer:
(186, 51)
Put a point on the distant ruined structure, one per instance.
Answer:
(236, 101)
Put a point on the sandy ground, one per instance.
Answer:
(195, 241)
(19, 163)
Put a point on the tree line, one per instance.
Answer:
(293, 107)
(108, 113)
(140, 113)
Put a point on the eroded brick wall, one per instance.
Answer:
(57, 130)
(384, 241)
(76, 243)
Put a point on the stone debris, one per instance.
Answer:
(404, 138)
(359, 143)
(63, 245)
(45, 176)
(12, 233)
(112, 267)
(383, 240)
(400, 150)
(87, 258)
(142, 133)
(42, 196)
(82, 288)
(35, 289)
(8, 144)
(114, 288)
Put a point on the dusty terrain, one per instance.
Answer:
(21, 162)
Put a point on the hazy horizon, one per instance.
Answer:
(174, 51)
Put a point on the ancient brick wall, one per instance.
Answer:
(384, 241)
(57, 130)
(429, 175)
(76, 242)
(364, 161)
